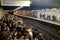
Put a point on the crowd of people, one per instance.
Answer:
(13, 28)
(44, 16)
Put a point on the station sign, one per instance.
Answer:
(15, 2)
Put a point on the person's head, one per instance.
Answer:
(1, 22)
(6, 28)
(2, 19)
(41, 35)
(3, 36)
(5, 24)
(19, 35)
(19, 23)
(14, 30)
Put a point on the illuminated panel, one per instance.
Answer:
(15, 2)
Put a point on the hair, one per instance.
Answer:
(3, 36)
(19, 35)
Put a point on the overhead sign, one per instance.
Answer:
(15, 2)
